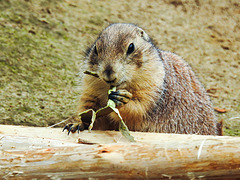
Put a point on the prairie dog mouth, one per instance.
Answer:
(111, 82)
(119, 84)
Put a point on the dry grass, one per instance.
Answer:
(41, 46)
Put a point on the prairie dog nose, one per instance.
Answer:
(109, 74)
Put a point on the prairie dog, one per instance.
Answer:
(157, 91)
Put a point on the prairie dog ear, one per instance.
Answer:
(142, 33)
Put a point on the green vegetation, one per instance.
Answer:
(42, 44)
(38, 62)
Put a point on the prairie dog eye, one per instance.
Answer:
(95, 50)
(131, 48)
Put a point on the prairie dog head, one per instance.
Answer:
(122, 54)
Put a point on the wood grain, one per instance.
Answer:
(32, 152)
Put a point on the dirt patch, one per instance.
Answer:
(42, 44)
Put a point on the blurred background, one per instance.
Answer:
(42, 44)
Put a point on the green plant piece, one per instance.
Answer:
(110, 108)
(91, 73)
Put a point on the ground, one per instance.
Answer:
(42, 46)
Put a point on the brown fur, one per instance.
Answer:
(166, 95)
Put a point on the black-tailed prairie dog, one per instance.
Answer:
(157, 91)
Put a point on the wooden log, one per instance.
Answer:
(31, 152)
